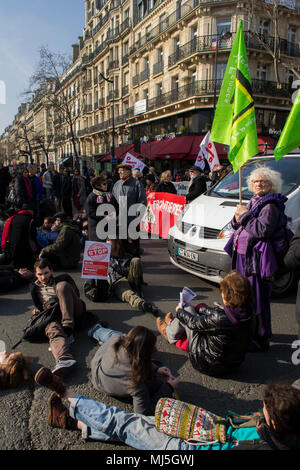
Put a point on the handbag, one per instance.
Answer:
(35, 328)
(189, 422)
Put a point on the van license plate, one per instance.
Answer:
(187, 254)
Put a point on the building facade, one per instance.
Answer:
(149, 68)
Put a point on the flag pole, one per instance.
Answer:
(240, 184)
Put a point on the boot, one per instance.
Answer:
(161, 326)
(46, 378)
(59, 416)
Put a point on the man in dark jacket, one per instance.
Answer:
(129, 191)
(65, 252)
(5, 179)
(292, 262)
(197, 184)
(47, 290)
(217, 337)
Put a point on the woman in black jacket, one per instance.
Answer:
(95, 199)
(217, 337)
(165, 185)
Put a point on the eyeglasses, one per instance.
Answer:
(262, 182)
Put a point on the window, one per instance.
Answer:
(261, 72)
(223, 25)
(264, 27)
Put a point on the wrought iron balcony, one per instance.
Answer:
(158, 67)
(252, 41)
(135, 80)
(125, 90)
(144, 75)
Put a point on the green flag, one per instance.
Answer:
(290, 138)
(234, 121)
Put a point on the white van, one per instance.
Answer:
(196, 243)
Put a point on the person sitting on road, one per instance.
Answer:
(216, 338)
(275, 427)
(15, 369)
(66, 250)
(126, 278)
(47, 290)
(123, 367)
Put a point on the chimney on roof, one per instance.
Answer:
(75, 48)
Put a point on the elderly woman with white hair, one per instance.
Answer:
(260, 236)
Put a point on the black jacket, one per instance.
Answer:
(57, 279)
(91, 207)
(197, 187)
(216, 345)
(166, 187)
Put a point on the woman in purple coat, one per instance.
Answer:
(260, 237)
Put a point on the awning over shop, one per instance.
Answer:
(180, 147)
(265, 141)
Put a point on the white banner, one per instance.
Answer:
(207, 151)
(134, 162)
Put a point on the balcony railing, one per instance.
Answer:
(113, 95)
(88, 108)
(125, 59)
(158, 67)
(135, 80)
(192, 90)
(144, 75)
(125, 90)
(113, 64)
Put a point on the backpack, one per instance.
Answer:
(96, 290)
(35, 328)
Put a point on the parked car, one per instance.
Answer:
(196, 243)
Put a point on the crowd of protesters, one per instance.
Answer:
(46, 217)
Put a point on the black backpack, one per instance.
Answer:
(35, 328)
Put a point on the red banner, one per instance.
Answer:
(162, 212)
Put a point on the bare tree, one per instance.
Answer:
(44, 142)
(48, 83)
(271, 11)
(25, 141)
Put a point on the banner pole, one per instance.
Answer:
(240, 184)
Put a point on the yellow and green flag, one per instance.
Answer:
(290, 137)
(234, 120)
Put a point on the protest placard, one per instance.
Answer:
(134, 162)
(96, 258)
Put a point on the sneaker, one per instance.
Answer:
(63, 366)
(46, 378)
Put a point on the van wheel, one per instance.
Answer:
(283, 284)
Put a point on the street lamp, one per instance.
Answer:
(112, 153)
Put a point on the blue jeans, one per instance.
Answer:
(104, 423)
(103, 334)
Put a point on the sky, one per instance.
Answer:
(26, 26)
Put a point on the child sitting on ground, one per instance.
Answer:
(216, 338)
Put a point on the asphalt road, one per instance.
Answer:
(23, 412)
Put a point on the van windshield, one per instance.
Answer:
(228, 187)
